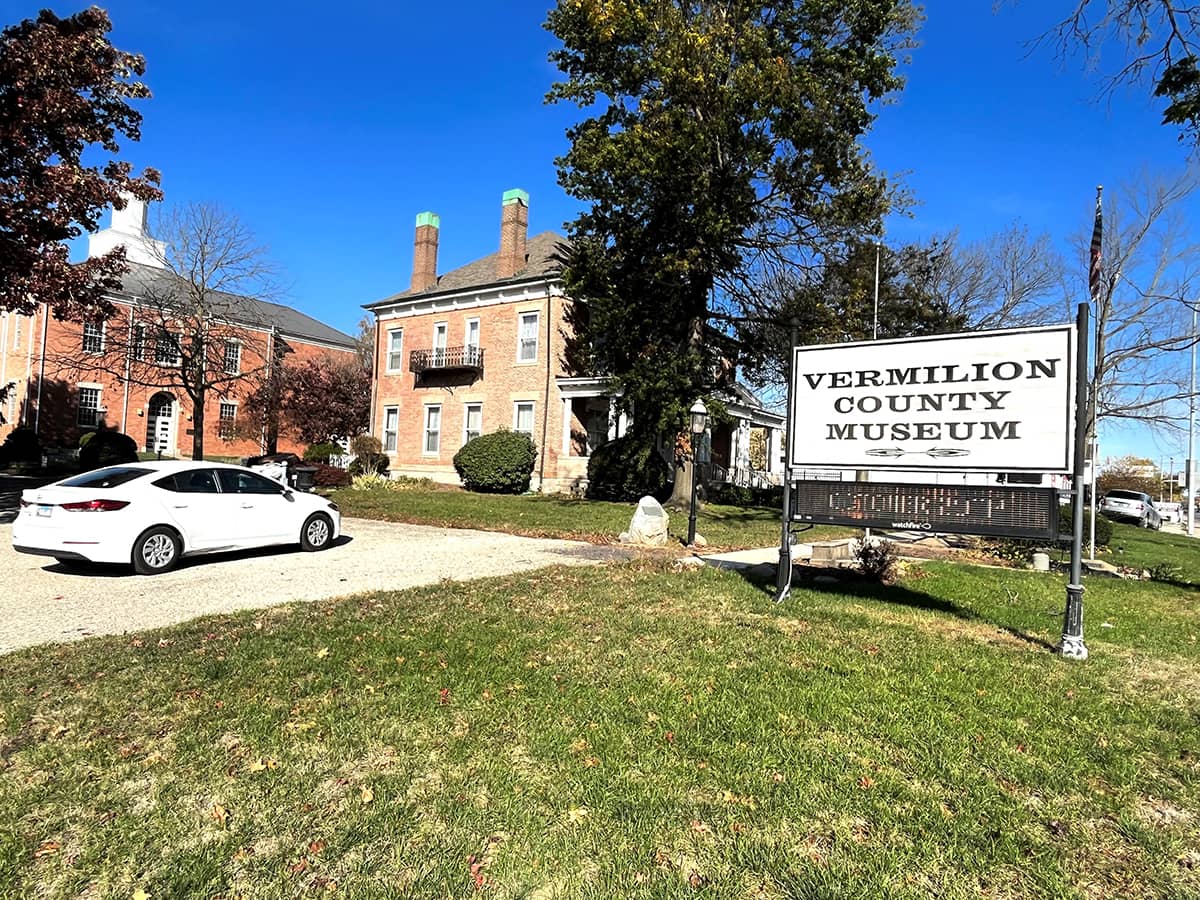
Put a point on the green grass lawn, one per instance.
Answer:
(538, 515)
(629, 731)
(1139, 548)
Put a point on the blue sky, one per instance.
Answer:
(328, 128)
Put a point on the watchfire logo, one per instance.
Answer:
(913, 526)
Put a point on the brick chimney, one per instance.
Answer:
(514, 226)
(425, 247)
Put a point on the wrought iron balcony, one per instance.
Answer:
(445, 359)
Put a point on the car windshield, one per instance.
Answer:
(1126, 495)
(106, 478)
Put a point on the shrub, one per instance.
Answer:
(497, 463)
(1103, 527)
(365, 445)
(369, 464)
(107, 448)
(626, 470)
(370, 481)
(21, 446)
(320, 453)
(85, 437)
(877, 560)
(734, 495)
(330, 476)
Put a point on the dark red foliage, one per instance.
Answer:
(330, 476)
(63, 93)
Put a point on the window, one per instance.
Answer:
(472, 338)
(472, 421)
(391, 424)
(226, 418)
(113, 476)
(137, 343)
(395, 350)
(433, 429)
(527, 338)
(233, 357)
(166, 348)
(523, 418)
(93, 337)
(16, 320)
(89, 407)
(235, 481)
(197, 481)
(439, 343)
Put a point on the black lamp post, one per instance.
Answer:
(699, 413)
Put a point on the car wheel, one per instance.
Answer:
(316, 533)
(155, 551)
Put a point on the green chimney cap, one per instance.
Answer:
(428, 218)
(516, 195)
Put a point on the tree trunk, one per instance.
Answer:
(198, 426)
(681, 493)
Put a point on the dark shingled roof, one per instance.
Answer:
(540, 251)
(149, 282)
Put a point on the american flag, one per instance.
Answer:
(1095, 267)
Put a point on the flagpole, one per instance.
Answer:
(1094, 284)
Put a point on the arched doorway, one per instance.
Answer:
(160, 423)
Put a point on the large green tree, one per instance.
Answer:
(721, 145)
(64, 92)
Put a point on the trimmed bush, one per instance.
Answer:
(85, 437)
(365, 445)
(1103, 527)
(733, 495)
(625, 471)
(21, 446)
(107, 448)
(497, 463)
(320, 453)
(330, 476)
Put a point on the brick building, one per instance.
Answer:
(481, 348)
(75, 377)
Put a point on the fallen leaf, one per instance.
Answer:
(591, 762)
(367, 795)
(257, 766)
(139, 894)
(47, 848)
(866, 782)
(315, 847)
(220, 814)
(322, 653)
(700, 827)
(578, 745)
(577, 814)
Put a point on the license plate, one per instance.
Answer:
(44, 509)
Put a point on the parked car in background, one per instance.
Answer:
(1131, 506)
(151, 514)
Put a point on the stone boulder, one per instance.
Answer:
(648, 527)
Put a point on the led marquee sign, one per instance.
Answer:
(950, 509)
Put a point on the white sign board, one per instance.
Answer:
(992, 401)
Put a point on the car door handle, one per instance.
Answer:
(180, 506)
(247, 506)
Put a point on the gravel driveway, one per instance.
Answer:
(42, 602)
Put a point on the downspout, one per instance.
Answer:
(37, 410)
(374, 376)
(546, 397)
(128, 363)
(262, 440)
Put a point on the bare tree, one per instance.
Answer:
(1144, 305)
(195, 324)
(1157, 40)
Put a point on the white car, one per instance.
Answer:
(150, 514)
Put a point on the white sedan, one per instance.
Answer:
(151, 514)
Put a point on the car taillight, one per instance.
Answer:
(96, 505)
(25, 503)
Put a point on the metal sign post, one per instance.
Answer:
(783, 575)
(1072, 646)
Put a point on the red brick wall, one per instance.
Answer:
(66, 369)
(504, 382)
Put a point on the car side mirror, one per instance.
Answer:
(287, 492)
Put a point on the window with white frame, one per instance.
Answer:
(433, 429)
(166, 348)
(227, 417)
(527, 337)
(89, 407)
(16, 320)
(93, 337)
(523, 417)
(137, 343)
(439, 343)
(391, 426)
(232, 362)
(472, 421)
(395, 350)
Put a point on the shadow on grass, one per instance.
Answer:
(895, 595)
